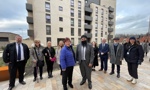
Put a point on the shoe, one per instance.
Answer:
(65, 87)
(111, 73)
(23, 82)
(118, 75)
(105, 72)
(82, 82)
(93, 69)
(41, 78)
(130, 79)
(70, 85)
(134, 81)
(100, 69)
(10, 88)
(34, 79)
(90, 86)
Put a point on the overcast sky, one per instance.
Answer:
(132, 16)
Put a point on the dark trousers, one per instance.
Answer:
(132, 69)
(49, 66)
(13, 68)
(85, 71)
(104, 64)
(36, 69)
(60, 69)
(113, 68)
(67, 75)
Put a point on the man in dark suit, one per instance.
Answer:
(16, 55)
(103, 53)
(85, 56)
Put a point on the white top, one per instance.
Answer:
(22, 52)
(58, 55)
(83, 49)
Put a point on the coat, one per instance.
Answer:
(58, 55)
(10, 53)
(48, 54)
(116, 59)
(105, 50)
(89, 54)
(95, 62)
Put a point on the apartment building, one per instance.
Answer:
(53, 20)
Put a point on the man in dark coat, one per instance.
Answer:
(16, 55)
(116, 56)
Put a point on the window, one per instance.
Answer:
(79, 40)
(79, 32)
(102, 11)
(48, 30)
(72, 3)
(96, 40)
(60, 8)
(96, 25)
(48, 39)
(79, 4)
(101, 33)
(79, 23)
(47, 7)
(72, 22)
(4, 39)
(48, 18)
(86, 1)
(72, 31)
(79, 14)
(72, 12)
(60, 29)
(72, 41)
(96, 33)
(96, 18)
(105, 33)
(96, 10)
(60, 18)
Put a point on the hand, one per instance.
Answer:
(63, 69)
(34, 61)
(50, 58)
(45, 54)
(90, 65)
(102, 53)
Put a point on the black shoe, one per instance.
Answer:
(93, 69)
(118, 75)
(90, 86)
(41, 78)
(23, 82)
(111, 73)
(10, 88)
(82, 82)
(34, 79)
(70, 85)
(100, 69)
(65, 87)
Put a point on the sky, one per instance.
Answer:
(132, 17)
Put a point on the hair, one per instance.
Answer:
(95, 43)
(37, 41)
(66, 39)
(58, 44)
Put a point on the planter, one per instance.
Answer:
(4, 73)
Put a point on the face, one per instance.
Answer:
(18, 39)
(93, 43)
(116, 41)
(49, 44)
(37, 43)
(132, 41)
(67, 43)
(103, 40)
(61, 43)
(83, 39)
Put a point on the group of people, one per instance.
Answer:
(86, 55)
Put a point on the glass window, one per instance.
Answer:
(48, 18)
(48, 30)
(79, 32)
(72, 22)
(60, 29)
(72, 3)
(72, 31)
(60, 18)
(72, 41)
(72, 12)
(96, 40)
(48, 39)
(96, 18)
(60, 8)
(79, 23)
(96, 25)
(86, 1)
(96, 33)
(105, 33)
(79, 14)
(47, 7)
(96, 10)
(79, 4)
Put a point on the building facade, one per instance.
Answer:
(53, 20)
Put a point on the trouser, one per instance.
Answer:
(13, 68)
(113, 68)
(85, 71)
(40, 69)
(67, 75)
(49, 66)
(104, 64)
(132, 69)
(60, 69)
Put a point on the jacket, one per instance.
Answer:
(48, 54)
(105, 50)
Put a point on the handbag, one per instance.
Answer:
(52, 59)
(40, 63)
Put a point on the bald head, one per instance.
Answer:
(103, 40)
(18, 39)
(49, 43)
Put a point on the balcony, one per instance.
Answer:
(110, 36)
(31, 33)
(110, 29)
(111, 9)
(111, 16)
(110, 23)
(88, 18)
(87, 9)
(89, 35)
(88, 26)
(30, 20)
(29, 7)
